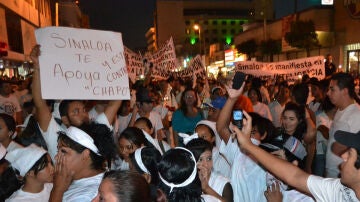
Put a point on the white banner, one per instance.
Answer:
(82, 64)
(291, 70)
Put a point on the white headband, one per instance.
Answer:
(82, 138)
(189, 180)
(187, 138)
(139, 161)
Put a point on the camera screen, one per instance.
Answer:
(237, 115)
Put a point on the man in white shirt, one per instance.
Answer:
(347, 118)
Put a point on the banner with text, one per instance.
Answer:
(163, 61)
(134, 64)
(82, 64)
(291, 70)
(195, 67)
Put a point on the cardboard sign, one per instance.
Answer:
(82, 64)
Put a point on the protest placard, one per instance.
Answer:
(163, 60)
(82, 64)
(291, 70)
(135, 64)
(195, 67)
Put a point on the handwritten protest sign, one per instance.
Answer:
(134, 63)
(195, 67)
(82, 64)
(290, 69)
(163, 60)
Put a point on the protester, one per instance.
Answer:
(179, 180)
(207, 130)
(212, 183)
(144, 124)
(185, 118)
(35, 166)
(7, 132)
(144, 161)
(9, 181)
(259, 107)
(123, 186)
(342, 95)
(330, 67)
(130, 139)
(277, 106)
(9, 104)
(84, 155)
(72, 112)
(322, 189)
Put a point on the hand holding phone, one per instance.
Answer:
(238, 80)
(238, 116)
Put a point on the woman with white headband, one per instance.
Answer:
(212, 182)
(9, 181)
(80, 162)
(35, 166)
(144, 161)
(178, 177)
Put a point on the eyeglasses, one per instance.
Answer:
(127, 148)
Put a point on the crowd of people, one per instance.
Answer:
(175, 140)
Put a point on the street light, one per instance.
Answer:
(197, 27)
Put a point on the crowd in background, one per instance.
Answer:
(175, 140)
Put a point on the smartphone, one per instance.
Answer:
(238, 80)
(238, 116)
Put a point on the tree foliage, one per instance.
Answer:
(302, 35)
(270, 47)
(248, 47)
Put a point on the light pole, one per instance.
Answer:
(197, 27)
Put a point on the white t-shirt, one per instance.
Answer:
(83, 190)
(248, 179)
(329, 189)
(217, 182)
(346, 120)
(21, 195)
(123, 122)
(209, 198)
(263, 110)
(220, 163)
(9, 105)
(295, 196)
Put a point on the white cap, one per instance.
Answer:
(23, 159)
(82, 138)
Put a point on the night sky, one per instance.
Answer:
(133, 18)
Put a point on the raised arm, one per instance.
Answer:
(43, 113)
(222, 124)
(285, 171)
(111, 110)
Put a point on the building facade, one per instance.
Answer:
(196, 25)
